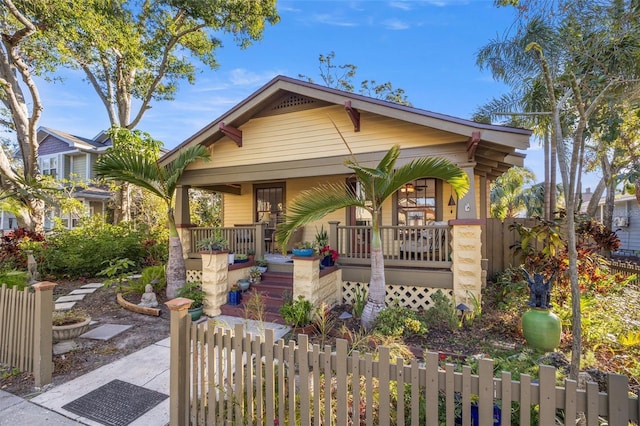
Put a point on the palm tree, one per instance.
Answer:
(377, 185)
(143, 171)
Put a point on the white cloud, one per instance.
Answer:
(403, 5)
(244, 77)
(395, 24)
(333, 21)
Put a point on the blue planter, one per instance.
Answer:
(235, 297)
(475, 416)
(302, 252)
(327, 261)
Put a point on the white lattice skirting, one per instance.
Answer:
(413, 297)
(194, 275)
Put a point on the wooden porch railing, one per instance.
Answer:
(242, 239)
(412, 246)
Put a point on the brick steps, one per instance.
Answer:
(275, 287)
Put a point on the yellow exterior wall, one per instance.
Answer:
(310, 134)
(238, 209)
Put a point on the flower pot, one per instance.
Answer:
(244, 284)
(302, 252)
(195, 313)
(71, 331)
(542, 329)
(235, 297)
(245, 260)
(327, 261)
(231, 258)
(262, 269)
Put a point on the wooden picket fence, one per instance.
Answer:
(626, 269)
(236, 378)
(26, 330)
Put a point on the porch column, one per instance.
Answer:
(261, 229)
(183, 218)
(467, 204)
(466, 260)
(215, 276)
(333, 234)
(306, 277)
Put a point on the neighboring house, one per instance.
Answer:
(281, 140)
(66, 156)
(626, 223)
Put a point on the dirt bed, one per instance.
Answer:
(92, 354)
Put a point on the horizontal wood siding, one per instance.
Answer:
(310, 134)
(51, 145)
(238, 209)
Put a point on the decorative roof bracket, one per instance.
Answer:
(232, 133)
(472, 145)
(354, 115)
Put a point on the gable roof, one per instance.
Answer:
(75, 142)
(285, 93)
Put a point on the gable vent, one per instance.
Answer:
(292, 101)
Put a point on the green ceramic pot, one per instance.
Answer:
(542, 329)
(196, 313)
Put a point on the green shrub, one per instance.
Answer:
(82, 251)
(397, 321)
(297, 313)
(442, 315)
(19, 279)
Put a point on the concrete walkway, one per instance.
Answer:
(148, 368)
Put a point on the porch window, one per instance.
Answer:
(416, 203)
(270, 203)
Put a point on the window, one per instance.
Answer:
(416, 203)
(270, 203)
(49, 166)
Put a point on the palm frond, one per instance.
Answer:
(313, 204)
(427, 167)
(133, 168)
(174, 170)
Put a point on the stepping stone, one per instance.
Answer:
(83, 291)
(92, 285)
(105, 332)
(64, 306)
(70, 298)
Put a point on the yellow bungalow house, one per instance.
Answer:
(282, 139)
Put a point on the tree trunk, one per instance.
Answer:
(377, 284)
(592, 207)
(176, 268)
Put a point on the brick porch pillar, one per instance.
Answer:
(306, 277)
(215, 275)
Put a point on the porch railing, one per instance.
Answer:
(414, 246)
(242, 239)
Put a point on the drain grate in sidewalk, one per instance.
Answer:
(116, 403)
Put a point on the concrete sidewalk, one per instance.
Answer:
(148, 368)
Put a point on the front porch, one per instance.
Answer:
(419, 260)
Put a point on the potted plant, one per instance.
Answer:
(241, 258)
(298, 314)
(69, 324)
(193, 290)
(255, 275)
(235, 295)
(322, 237)
(262, 265)
(243, 284)
(328, 256)
(303, 248)
(541, 328)
(216, 242)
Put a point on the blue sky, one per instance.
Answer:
(428, 48)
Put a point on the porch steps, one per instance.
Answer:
(275, 287)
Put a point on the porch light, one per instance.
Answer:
(408, 188)
(452, 202)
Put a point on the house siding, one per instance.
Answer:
(79, 166)
(51, 145)
(311, 134)
(629, 235)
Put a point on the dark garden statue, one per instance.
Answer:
(541, 328)
(539, 290)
